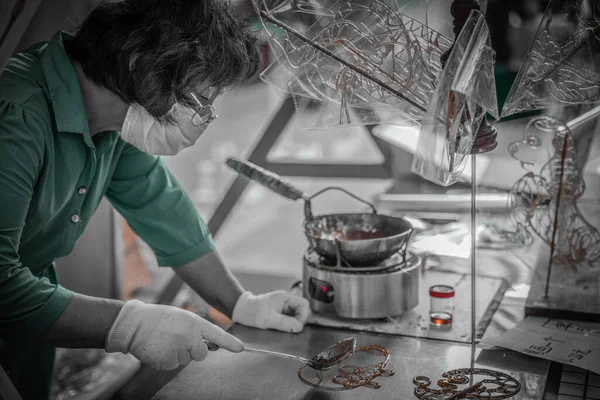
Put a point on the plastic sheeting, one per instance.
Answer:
(395, 62)
(466, 91)
(560, 67)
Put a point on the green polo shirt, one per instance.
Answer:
(53, 175)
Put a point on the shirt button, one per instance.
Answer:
(82, 190)
(75, 218)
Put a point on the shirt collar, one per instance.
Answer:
(63, 87)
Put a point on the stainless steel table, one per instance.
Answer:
(251, 376)
(224, 375)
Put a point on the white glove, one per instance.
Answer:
(278, 310)
(165, 337)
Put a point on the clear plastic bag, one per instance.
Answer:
(465, 93)
(561, 65)
(391, 63)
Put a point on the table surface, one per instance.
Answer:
(224, 375)
(248, 376)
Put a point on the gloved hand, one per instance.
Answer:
(165, 337)
(278, 310)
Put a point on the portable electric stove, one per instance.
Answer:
(387, 289)
(357, 266)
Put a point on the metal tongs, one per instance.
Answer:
(326, 359)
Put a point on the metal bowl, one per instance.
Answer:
(356, 239)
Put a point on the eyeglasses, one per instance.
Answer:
(205, 113)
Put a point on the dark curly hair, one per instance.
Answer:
(155, 52)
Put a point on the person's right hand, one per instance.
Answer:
(165, 337)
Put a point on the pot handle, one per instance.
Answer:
(266, 178)
(308, 208)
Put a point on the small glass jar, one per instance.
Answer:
(441, 305)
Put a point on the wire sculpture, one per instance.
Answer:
(495, 386)
(360, 58)
(364, 62)
(546, 203)
(559, 68)
(362, 374)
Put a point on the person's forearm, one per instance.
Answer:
(213, 281)
(84, 323)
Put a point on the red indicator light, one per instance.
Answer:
(324, 289)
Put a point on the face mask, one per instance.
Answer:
(147, 134)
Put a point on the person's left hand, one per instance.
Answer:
(278, 310)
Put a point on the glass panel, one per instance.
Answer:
(201, 169)
(263, 242)
(351, 144)
(545, 243)
(554, 205)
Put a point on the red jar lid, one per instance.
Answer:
(441, 291)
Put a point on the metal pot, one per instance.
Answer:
(351, 239)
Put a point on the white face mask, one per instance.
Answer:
(144, 132)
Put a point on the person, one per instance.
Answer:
(85, 116)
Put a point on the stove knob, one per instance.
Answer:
(321, 290)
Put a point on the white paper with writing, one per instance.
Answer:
(568, 342)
